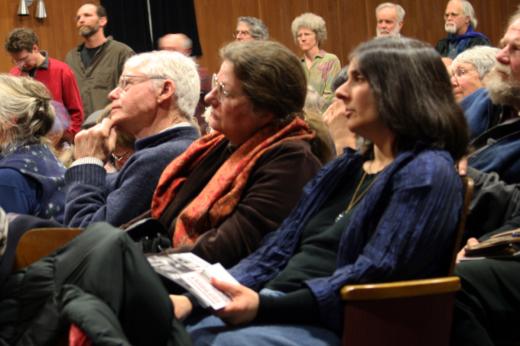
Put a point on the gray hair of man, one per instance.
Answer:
(177, 67)
(312, 22)
(514, 17)
(26, 112)
(482, 57)
(468, 10)
(259, 30)
(398, 9)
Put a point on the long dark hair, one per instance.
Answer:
(413, 93)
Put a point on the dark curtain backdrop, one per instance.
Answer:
(172, 16)
(128, 22)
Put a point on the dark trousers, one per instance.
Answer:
(107, 267)
(487, 310)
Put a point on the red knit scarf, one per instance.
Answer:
(220, 196)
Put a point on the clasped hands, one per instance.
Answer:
(242, 308)
(98, 141)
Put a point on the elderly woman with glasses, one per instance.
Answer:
(469, 69)
(31, 177)
(238, 183)
(309, 32)
(468, 72)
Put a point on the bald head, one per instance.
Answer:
(176, 42)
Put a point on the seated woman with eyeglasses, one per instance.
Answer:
(386, 213)
(31, 177)
(235, 185)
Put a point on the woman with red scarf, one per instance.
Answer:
(230, 188)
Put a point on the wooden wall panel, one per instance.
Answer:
(349, 22)
(57, 33)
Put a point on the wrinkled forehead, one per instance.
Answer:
(387, 13)
(87, 9)
(512, 34)
(243, 26)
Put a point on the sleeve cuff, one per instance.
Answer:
(86, 173)
(87, 161)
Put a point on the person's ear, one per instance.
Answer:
(102, 21)
(167, 90)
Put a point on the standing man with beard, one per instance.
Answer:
(99, 60)
(460, 22)
(496, 110)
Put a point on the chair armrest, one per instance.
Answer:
(40, 242)
(400, 289)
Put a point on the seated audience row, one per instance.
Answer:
(223, 195)
(374, 215)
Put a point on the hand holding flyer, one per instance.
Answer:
(194, 274)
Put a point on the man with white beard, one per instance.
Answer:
(389, 19)
(486, 309)
(496, 109)
(460, 24)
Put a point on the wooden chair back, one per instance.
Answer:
(40, 242)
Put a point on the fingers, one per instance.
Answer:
(462, 253)
(462, 166)
(97, 141)
(331, 113)
(226, 287)
(472, 242)
(112, 139)
(181, 306)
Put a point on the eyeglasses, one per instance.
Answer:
(126, 81)
(119, 158)
(221, 92)
(460, 72)
(241, 33)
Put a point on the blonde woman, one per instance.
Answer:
(31, 177)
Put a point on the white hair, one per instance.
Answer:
(312, 22)
(177, 67)
(26, 112)
(398, 9)
(482, 57)
(259, 30)
(467, 10)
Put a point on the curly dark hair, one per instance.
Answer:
(20, 39)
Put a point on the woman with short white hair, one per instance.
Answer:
(469, 69)
(310, 32)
